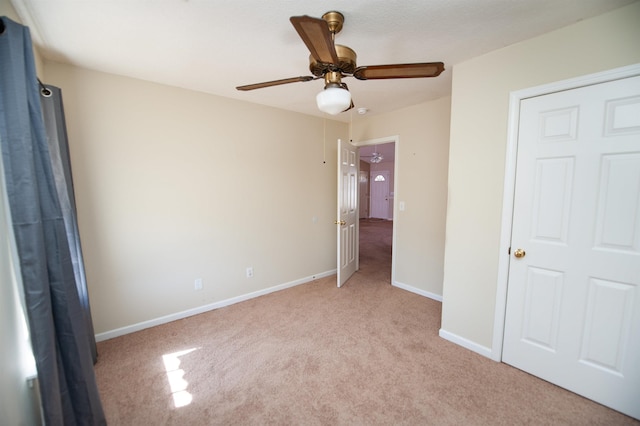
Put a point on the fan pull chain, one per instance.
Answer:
(324, 140)
(351, 125)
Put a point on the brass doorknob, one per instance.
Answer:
(519, 253)
(340, 222)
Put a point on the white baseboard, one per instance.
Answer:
(209, 307)
(418, 291)
(466, 343)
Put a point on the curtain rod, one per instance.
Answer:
(44, 90)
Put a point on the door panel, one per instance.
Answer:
(608, 318)
(552, 189)
(543, 296)
(573, 301)
(347, 211)
(618, 211)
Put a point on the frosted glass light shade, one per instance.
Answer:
(333, 100)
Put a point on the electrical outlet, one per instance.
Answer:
(197, 284)
(250, 272)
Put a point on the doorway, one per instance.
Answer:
(376, 201)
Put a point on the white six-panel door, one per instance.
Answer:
(379, 194)
(573, 303)
(347, 211)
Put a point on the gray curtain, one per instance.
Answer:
(60, 335)
(56, 129)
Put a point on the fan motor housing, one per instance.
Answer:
(346, 62)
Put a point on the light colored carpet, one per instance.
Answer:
(367, 353)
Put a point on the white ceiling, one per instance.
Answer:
(213, 46)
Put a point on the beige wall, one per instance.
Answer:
(480, 96)
(423, 150)
(174, 185)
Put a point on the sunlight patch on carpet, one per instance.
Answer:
(175, 375)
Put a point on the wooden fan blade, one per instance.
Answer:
(376, 72)
(316, 35)
(276, 82)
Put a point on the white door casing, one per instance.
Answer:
(347, 222)
(573, 305)
(379, 183)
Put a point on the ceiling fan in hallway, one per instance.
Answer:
(375, 157)
(333, 62)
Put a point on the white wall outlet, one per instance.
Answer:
(250, 272)
(197, 284)
(401, 206)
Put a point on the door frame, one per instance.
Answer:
(510, 177)
(395, 139)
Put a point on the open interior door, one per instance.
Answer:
(347, 211)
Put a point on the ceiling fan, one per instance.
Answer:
(333, 62)
(375, 157)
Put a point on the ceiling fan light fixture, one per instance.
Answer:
(333, 100)
(376, 157)
(333, 61)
